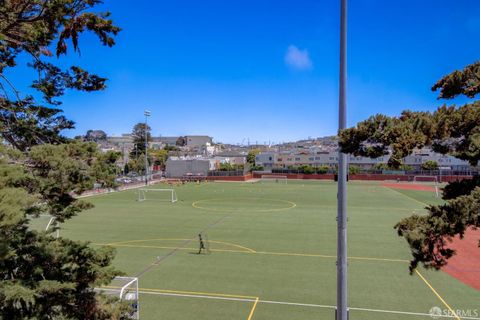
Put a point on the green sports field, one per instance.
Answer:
(273, 250)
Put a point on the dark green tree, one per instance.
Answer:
(448, 130)
(430, 165)
(352, 169)
(95, 135)
(171, 148)
(138, 134)
(33, 28)
(181, 141)
(159, 157)
(44, 277)
(251, 156)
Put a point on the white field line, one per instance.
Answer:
(120, 189)
(297, 304)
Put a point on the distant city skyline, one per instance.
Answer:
(243, 142)
(266, 70)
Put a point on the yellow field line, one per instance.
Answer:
(290, 203)
(174, 239)
(145, 240)
(257, 252)
(369, 208)
(378, 259)
(437, 294)
(225, 295)
(234, 245)
(250, 316)
(167, 247)
(197, 293)
(411, 198)
(328, 256)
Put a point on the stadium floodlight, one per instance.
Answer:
(168, 195)
(147, 114)
(342, 302)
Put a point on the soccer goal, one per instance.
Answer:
(274, 178)
(125, 289)
(45, 222)
(168, 195)
(431, 180)
(52, 226)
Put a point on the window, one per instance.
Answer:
(280, 159)
(297, 159)
(317, 158)
(269, 158)
(311, 159)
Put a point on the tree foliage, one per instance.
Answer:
(430, 165)
(35, 28)
(466, 82)
(448, 130)
(138, 134)
(251, 156)
(95, 135)
(159, 157)
(181, 141)
(45, 277)
(227, 166)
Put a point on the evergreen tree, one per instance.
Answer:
(449, 130)
(31, 28)
(44, 277)
(430, 165)
(138, 134)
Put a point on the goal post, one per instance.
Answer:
(125, 289)
(274, 178)
(52, 224)
(45, 223)
(166, 195)
(432, 180)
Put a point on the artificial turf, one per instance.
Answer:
(271, 241)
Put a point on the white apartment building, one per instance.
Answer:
(270, 160)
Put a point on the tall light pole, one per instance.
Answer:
(147, 114)
(342, 303)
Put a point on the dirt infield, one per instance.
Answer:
(408, 186)
(465, 265)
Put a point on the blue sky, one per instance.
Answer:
(268, 70)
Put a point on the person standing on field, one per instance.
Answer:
(201, 243)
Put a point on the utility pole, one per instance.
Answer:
(342, 303)
(147, 114)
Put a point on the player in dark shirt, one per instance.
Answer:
(201, 243)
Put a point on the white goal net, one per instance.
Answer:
(430, 180)
(167, 195)
(125, 289)
(274, 178)
(45, 222)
